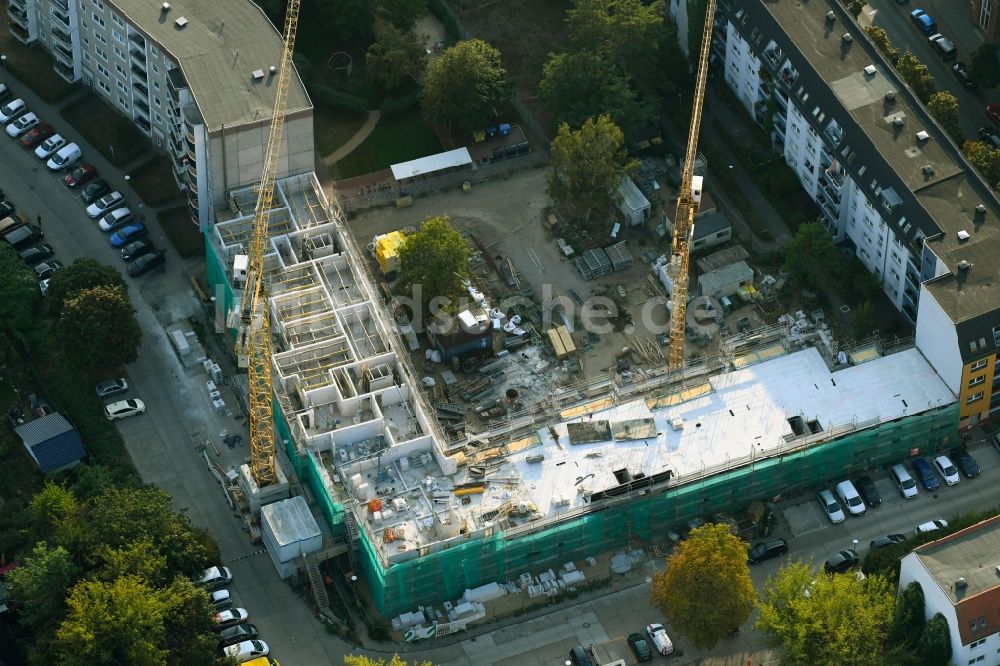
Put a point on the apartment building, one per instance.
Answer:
(197, 78)
(889, 184)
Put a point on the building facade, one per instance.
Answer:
(201, 91)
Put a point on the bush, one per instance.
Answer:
(336, 98)
(400, 106)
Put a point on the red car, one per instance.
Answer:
(993, 111)
(81, 175)
(36, 135)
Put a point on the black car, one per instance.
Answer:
(7, 209)
(765, 550)
(962, 74)
(22, 237)
(578, 656)
(36, 253)
(885, 541)
(95, 190)
(843, 561)
(868, 490)
(137, 248)
(640, 648)
(238, 634)
(145, 263)
(966, 463)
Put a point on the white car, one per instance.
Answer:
(106, 204)
(246, 651)
(49, 147)
(930, 526)
(658, 637)
(230, 618)
(221, 599)
(115, 220)
(65, 157)
(851, 498)
(124, 408)
(12, 110)
(22, 125)
(947, 470)
(214, 577)
(831, 507)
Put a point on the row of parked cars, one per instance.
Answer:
(22, 124)
(642, 647)
(238, 640)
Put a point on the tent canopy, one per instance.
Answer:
(431, 163)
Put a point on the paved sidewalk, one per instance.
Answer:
(370, 122)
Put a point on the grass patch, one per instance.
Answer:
(393, 140)
(333, 127)
(112, 134)
(154, 182)
(184, 234)
(31, 63)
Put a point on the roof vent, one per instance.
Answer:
(898, 121)
(870, 70)
(181, 22)
(257, 74)
(846, 38)
(830, 16)
(963, 235)
(922, 135)
(928, 170)
(964, 265)
(890, 97)
(980, 209)
(961, 584)
(165, 6)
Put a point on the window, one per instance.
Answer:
(976, 644)
(86, 42)
(157, 118)
(984, 15)
(153, 51)
(98, 4)
(118, 20)
(120, 52)
(104, 86)
(118, 37)
(123, 102)
(98, 20)
(101, 38)
(121, 70)
(156, 102)
(981, 363)
(103, 70)
(86, 57)
(975, 397)
(976, 381)
(122, 87)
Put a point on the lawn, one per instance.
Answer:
(154, 183)
(32, 64)
(392, 141)
(111, 133)
(333, 127)
(183, 233)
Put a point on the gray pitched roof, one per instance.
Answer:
(51, 441)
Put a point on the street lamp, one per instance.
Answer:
(3, 58)
(855, 542)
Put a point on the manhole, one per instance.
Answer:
(845, 308)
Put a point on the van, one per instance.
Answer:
(851, 498)
(904, 482)
(830, 506)
(12, 222)
(66, 157)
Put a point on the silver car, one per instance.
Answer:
(110, 387)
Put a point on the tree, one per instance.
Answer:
(20, 292)
(916, 75)
(881, 39)
(625, 31)
(984, 65)
(434, 262)
(864, 321)
(826, 619)
(39, 586)
(856, 7)
(908, 619)
(944, 107)
(400, 13)
(587, 167)
(985, 158)
(81, 274)
(934, 646)
(810, 253)
(705, 589)
(395, 57)
(346, 20)
(362, 660)
(465, 86)
(104, 318)
(52, 509)
(187, 625)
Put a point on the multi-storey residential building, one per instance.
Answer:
(197, 78)
(889, 183)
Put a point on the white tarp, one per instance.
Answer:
(431, 163)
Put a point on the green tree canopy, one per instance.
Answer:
(52, 509)
(984, 65)
(810, 253)
(587, 167)
(187, 624)
(20, 292)
(705, 591)
(986, 159)
(934, 646)
(401, 13)
(826, 619)
(82, 274)
(881, 39)
(395, 57)
(916, 74)
(864, 321)
(626, 31)
(944, 107)
(39, 586)
(855, 7)
(908, 620)
(434, 262)
(465, 86)
(105, 319)
(362, 660)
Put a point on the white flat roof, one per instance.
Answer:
(431, 163)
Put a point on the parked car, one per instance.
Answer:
(43, 286)
(12, 110)
(924, 21)
(867, 488)
(885, 541)
(765, 550)
(126, 234)
(993, 111)
(831, 507)
(115, 220)
(944, 46)
(962, 74)
(124, 408)
(640, 648)
(95, 190)
(110, 387)
(947, 470)
(968, 464)
(990, 136)
(221, 599)
(23, 236)
(230, 618)
(245, 651)
(45, 270)
(106, 204)
(64, 158)
(578, 656)
(146, 263)
(904, 481)
(4, 92)
(36, 135)
(50, 146)
(36, 253)
(22, 125)
(81, 175)
(851, 498)
(137, 248)
(215, 577)
(13, 222)
(931, 525)
(659, 638)
(237, 634)
(7, 209)
(843, 561)
(925, 474)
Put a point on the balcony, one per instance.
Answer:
(138, 40)
(62, 5)
(911, 313)
(62, 37)
(20, 4)
(788, 76)
(139, 88)
(18, 18)
(141, 107)
(138, 60)
(20, 33)
(773, 55)
(192, 170)
(63, 55)
(140, 73)
(835, 175)
(61, 12)
(64, 71)
(143, 124)
(834, 133)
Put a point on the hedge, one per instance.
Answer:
(337, 98)
(398, 106)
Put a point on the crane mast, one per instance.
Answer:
(253, 343)
(688, 203)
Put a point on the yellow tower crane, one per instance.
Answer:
(688, 203)
(253, 343)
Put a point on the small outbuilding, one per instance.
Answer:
(53, 442)
(462, 334)
(633, 204)
(289, 531)
(725, 281)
